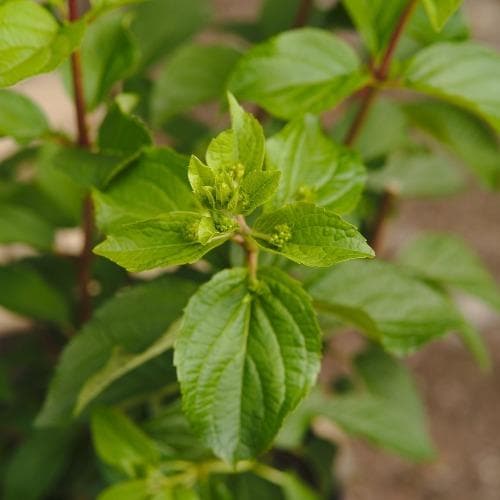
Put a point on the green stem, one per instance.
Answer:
(250, 247)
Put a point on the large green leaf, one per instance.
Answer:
(446, 259)
(313, 168)
(306, 70)
(31, 41)
(418, 175)
(122, 134)
(439, 11)
(161, 25)
(37, 464)
(20, 224)
(121, 443)
(20, 118)
(245, 356)
(387, 410)
(465, 135)
(86, 168)
(109, 54)
(193, 75)
(169, 239)
(384, 129)
(375, 20)
(130, 321)
(464, 73)
(389, 304)
(310, 235)
(25, 292)
(155, 183)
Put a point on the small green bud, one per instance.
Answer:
(281, 235)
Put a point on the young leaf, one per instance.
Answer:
(406, 312)
(169, 239)
(158, 31)
(444, 70)
(233, 179)
(439, 11)
(37, 464)
(465, 135)
(246, 355)
(31, 41)
(306, 70)
(388, 412)
(447, 260)
(193, 75)
(24, 291)
(155, 183)
(20, 224)
(129, 321)
(310, 235)
(313, 168)
(121, 443)
(375, 20)
(122, 134)
(109, 54)
(418, 175)
(20, 117)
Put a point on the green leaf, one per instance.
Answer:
(464, 73)
(463, 134)
(25, 292)
(169, 239)
(121, 443)
(120, 363)
(161, 25)
(384, 129)
(128, 490)
(447, 260)
(473, 341)
(21, 118)
(155, 183)
(387, 412)
(310, 235)
(109, 54)
(19, 224)
(61, 190)
(306, 70)
(313, 168)
(195, 74)
(129, 321)
(375, 20)
(439, 11)
(406, 311)
(100, 7)
(418, 175)
(31, 41)
(246, 355)
(86, 168)
(122, 134)
(37, 464)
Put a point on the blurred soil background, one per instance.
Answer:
(463, 403)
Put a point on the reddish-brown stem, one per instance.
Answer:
(368, 97)
(380, 72)
(85, 260)
(385, 206)
(303, 13)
